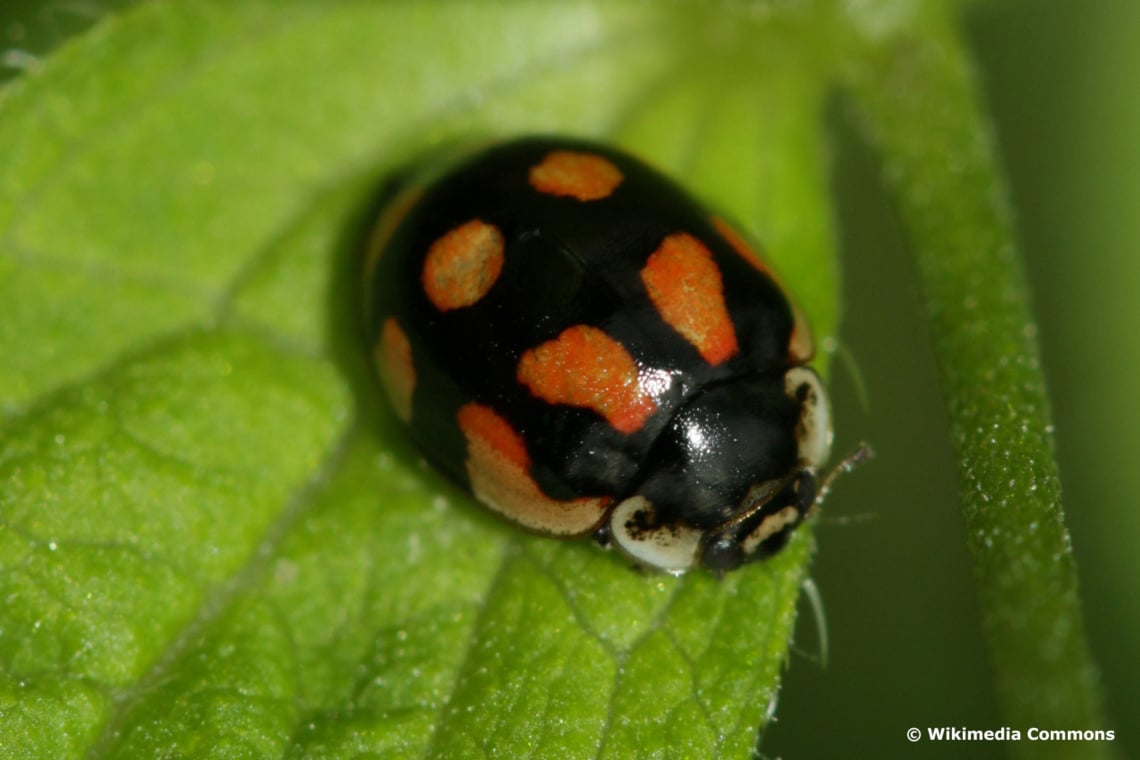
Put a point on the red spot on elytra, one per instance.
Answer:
(462, 265)
(684, 284)
(585, 176)
(584, 367)
(392, 217)
(801, 347)
(482, 423)
(394, 359)
(499, 469)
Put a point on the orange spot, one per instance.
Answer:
(741, 246)
(499, 469)
(463, 265)
(481, 422)
(394, 359)
(390, 219)
(685, 285)
(584, 367)
(584, 176)
(801, 347)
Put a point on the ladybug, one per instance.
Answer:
(588, 351)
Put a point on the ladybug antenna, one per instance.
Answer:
(861, 454)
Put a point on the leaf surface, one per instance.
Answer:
(214, 539)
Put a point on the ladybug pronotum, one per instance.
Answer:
(590, 352)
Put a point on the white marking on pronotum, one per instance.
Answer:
(813, 431)
(672, 548)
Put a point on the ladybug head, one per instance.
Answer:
(731, 476)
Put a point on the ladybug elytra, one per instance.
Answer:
(590, 352)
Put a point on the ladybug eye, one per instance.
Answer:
(722, 554)
(804, 487)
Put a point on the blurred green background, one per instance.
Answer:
(1062, 81)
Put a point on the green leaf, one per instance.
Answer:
(213, 541)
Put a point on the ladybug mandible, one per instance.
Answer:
(589, 351)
